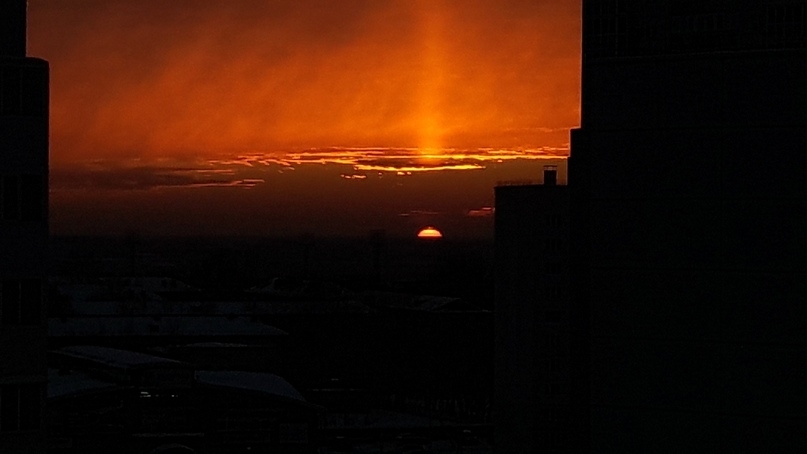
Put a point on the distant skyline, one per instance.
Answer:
(276, 117)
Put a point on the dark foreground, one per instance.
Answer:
(387, 341)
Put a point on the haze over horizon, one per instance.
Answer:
(273, 117)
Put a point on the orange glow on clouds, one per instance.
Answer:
(402, 161)
(251, 170)
(188, 79)
(304, 104)
(429, 233)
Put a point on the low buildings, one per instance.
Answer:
(103, 400)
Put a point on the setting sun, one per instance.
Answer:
(430, 233)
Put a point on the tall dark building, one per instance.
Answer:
(534, 410)
(689, 231)
(23, 235)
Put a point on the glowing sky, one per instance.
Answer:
(262, 111)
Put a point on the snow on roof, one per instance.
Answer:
(215, 345)
(434, 303)
(250, 381)
(113, 357)
(286, 286)
(158, 284)
(309, 307)
(386, 419)
(64, 384)
(158, 326)
(61, 384)
(82, 291)
(159, 307)
(427, 303)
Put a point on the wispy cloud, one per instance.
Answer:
(480, 212)
(420, 213)
(252, 169)
(98, 175)
(400, 161)
(151, 77)
(356, 176)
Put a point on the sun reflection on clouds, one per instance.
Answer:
(328, 192)
(237, 94)
(253, 169)
(399, 161)
(481, 212)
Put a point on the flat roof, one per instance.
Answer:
(61, 384)
(115, 358)
(250, 381)
(203, 326)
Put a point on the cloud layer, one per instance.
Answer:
(148, 78)
(249, 170)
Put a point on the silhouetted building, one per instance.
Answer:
(23, 234)
(688, 196)
(533, 410)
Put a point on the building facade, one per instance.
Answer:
(23, 235)
(688, 196)
(534, 409)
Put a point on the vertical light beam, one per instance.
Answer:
(432, 77)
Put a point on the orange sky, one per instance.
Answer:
(142, 83)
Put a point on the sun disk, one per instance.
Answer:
(430, 232)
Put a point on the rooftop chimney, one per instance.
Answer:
(13, 20)
(550, 175)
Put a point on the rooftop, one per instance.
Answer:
(115, 358)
